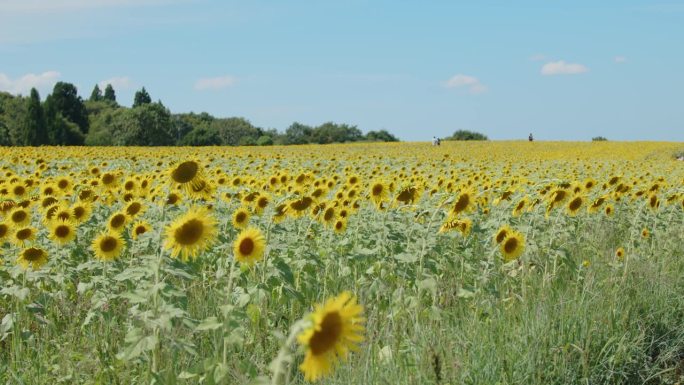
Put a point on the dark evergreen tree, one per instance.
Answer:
(35, 127)
(66, 102)
(96, 95)
(141, 97)
(109, 94)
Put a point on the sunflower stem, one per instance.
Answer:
(280, 364)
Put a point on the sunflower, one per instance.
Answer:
(4, 231)
(140, 228)
(340, 225)
(328, 215)
(653, 202)
(502, 233)
(240, 218)
(24, 234)
(379, 192)
(298, 207)
(62, 232)
(34, 257)
(261, 203)
(620, 254)
(596, 205)
(117, 222)
(191, 233)
(134, 208)
(249, 246)
(109, 180)
(574, 205)
(645, 233)
(108, 245)
(464, 203)
(336, 328)
(609, 210)
(81, 212)
(19, 217)
(187, 174)
(512, 246)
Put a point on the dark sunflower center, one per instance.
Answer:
(63, 215)
(247, 246)
(19, 190)
(462, 203)
(185, 172)
(377, 190)
(326, 338)
(133, 208)
(262, 202)
(511, 245)
(3, 230)
(63, 184)
(32, 254)
(329, 213)
(79, 212)
(19, 216)
(129, 186)
(108, 244)
(140, 230)
(575, 204)
(501, 235)
(339, 225)
(24, 234)
(107, 178)
(62, 231)
(190, 232)
(240, 217)
(117, 221)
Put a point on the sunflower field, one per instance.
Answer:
(398, 263)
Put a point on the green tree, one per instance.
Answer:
(467, 135)
(298, 133)
(236, 131)
(35, 127)
(146, 125)
(381, 136)
(109, 94)
(330, 132)
(13, 113)
(65, 101)
(141, 97)
(201, 136)
(264, 140)
(96, 95)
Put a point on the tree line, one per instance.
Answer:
(64, 118)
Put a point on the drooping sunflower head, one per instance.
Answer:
(249, 246)
(512, 246)
(336, 329)
(191, 233)
(464, 202)
(4, 231)
(240, 218)
(134, 208)
(298, 207)
(33, 257)
(62, 232)
(108, 246)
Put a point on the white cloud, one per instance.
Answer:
(24, 84)
(620, 59)
(216, 83)
(538, 57)
(463, 81)
(119, 83)
(562, 68)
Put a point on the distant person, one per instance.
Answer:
(530, 138)
(435, 141)
(439, 141)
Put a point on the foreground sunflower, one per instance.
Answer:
(512, 246)
(34, 257)
(62, 232)
(336, 328)
(108, 245)
(191, 233)
(139, 229)
(249, 246)
(240, 218)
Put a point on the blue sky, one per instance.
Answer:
(563, 70)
